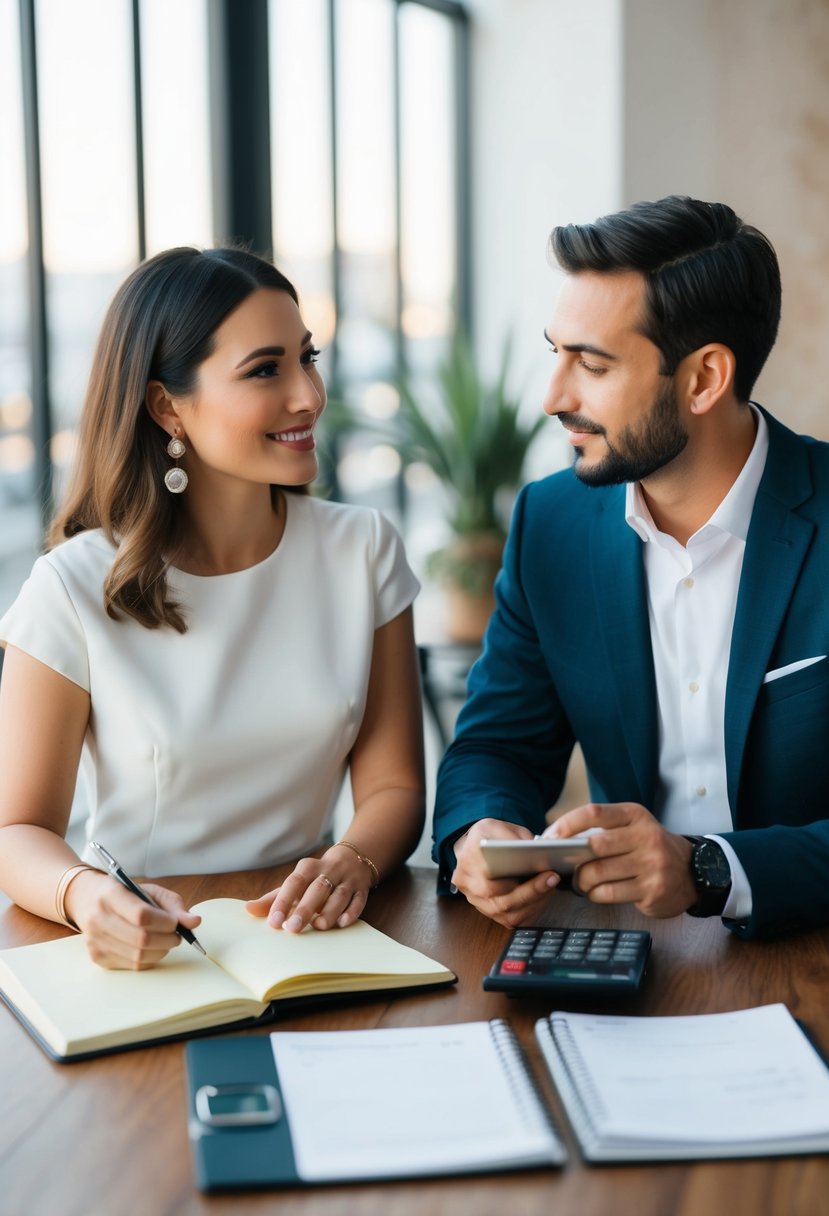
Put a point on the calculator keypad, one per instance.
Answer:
(578, 959)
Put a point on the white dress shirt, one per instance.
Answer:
(692, 595)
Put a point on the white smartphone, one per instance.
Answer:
(521, 858)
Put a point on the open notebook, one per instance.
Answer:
(76, 1009)
(741, 1084)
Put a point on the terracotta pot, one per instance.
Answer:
(467, 615)
(468, 611)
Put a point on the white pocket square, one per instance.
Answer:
(790, 667)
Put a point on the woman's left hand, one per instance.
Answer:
(323, 892)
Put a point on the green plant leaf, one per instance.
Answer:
(469, 433)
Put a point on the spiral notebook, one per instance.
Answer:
(355, 1105)
(742, 1084)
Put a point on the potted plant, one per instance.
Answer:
(472, 437)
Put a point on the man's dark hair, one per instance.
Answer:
(708, 277)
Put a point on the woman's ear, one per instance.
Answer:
(161, 406)
(710, 372)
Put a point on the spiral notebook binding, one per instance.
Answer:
(521, 1078)
(585, 1089)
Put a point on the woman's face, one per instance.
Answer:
(258, 397)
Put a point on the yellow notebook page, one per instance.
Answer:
(72, 1001)
(270, 962)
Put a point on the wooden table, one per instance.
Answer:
(108, 1137)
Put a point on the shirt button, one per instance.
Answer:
(687, 582)
(693, 686)
(701, 791)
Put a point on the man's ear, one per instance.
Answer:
(161, 407)
(709, 375)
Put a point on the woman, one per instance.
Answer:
(214, 646)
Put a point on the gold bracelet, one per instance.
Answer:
(365, 860)
(60, 893)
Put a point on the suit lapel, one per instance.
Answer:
(776, 546)
(622, 607)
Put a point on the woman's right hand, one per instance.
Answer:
(121, 931)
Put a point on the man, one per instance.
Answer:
(665, 602)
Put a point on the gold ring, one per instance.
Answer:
(324, 878)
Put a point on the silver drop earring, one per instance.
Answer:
(175, 479)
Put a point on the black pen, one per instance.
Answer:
(125, 881)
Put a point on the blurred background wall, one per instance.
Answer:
(581, 108)
(730, 100)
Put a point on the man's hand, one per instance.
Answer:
(638, 861)
(506, 901)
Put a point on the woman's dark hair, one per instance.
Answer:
(708, 277)
(159, 326)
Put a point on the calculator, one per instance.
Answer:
(578, 962)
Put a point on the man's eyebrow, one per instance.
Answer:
(578, 348)
(270, 350)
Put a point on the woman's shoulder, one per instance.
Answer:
(339, 519)
(327, 508)
(59, 603)
(354, 540)
(85, 556)
(347, 529)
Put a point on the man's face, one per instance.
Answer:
(606, 388)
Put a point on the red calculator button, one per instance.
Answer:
(514, 964)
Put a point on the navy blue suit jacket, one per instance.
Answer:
(567, 656)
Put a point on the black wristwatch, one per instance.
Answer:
(712, 877)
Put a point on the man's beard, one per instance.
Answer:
(641, 450)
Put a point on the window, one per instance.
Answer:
(175, 128)
(19, 534)
(366, 161)
(366, 107)
(88, 190)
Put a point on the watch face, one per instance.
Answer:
(710, 865)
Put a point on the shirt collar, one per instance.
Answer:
(733, 515)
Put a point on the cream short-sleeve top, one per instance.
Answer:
(225, 747)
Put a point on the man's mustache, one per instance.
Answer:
(576, 422)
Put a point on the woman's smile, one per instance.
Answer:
(301, 441)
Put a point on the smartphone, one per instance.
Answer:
(521, 858)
